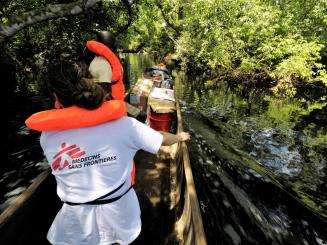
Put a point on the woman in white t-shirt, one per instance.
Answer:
(92, 167)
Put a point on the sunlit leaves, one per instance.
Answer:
(280, 39)
(285, 39)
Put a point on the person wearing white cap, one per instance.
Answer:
(101, 72)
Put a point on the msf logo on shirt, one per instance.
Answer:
(65, 155)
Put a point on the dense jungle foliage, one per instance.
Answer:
(271, 43)
(280, 42)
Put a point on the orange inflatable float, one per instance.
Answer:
(117, 86)
(76, 117)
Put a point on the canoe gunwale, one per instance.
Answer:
(184, 201)
(16, 204)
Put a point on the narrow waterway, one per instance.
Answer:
(24, 160)
(259, 162)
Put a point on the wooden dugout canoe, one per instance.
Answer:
(165, 188)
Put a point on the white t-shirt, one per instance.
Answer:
(89, 163)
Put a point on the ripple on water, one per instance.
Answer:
(23, 130)
(270, 150)
(230, 231)
(15, 192)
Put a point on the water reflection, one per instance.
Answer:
(135, 66)
(259, 179)
(236, 196)
(251, 147)
(274, 152)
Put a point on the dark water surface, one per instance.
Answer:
(24, 160)
(259, 164)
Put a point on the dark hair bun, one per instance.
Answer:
(88, 94)
(69, 83)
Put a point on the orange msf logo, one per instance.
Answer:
(65, 155)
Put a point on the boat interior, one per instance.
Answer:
(164, 186)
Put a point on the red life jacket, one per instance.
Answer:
(76, 117)
(117, 88)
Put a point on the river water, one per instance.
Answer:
(259, 164)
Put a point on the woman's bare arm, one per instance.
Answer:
(170, 139)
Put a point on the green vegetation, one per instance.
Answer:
(284, 41)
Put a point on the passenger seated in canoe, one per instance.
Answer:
(90, 144)
(101, 71)
(104, 48)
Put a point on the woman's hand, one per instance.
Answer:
(183, 136)
(170, 139)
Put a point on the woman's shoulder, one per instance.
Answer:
(45, 137)
(124, 121)
(128, 120)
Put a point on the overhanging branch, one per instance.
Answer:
(134, 50)
(177, 29)
(129, 10)
(48, 13)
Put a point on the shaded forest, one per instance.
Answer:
(279, 43)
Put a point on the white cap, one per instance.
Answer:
(100, 70)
